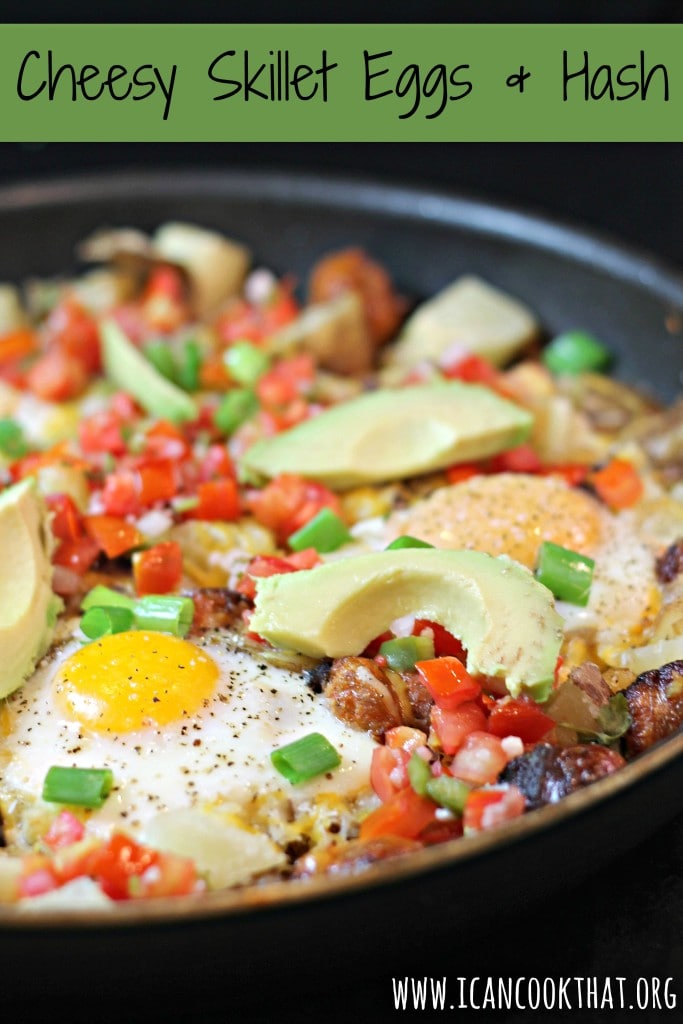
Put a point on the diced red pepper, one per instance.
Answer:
(445, 643)
(67, 522)
(158, 570)
(463, 471)
(114, 535)
(521, 717)
(473, 369)
(618, 484)
(157, 481)
(218, 499)
(120, 495)
(16, 345)
(448, 681)
(406, 814)
(78, 554)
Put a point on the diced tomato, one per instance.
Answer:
(66, 523)
(272, 565)
(114, 535)
(405, 814)
(120, 495)
(64, 830)
(218, 499)
(113, 864)
(38, 880)
(445, 644)
(405, 737)
(286, 381)
(388, 771)
(57, 376)
(490, 807)
(522, 459)
(173, 876)
(159, 569)
(213, 373)
(463, 471)
(288, 502)
(452, 727)
(618, 484)
(473, 369)
(157, 481)
(448, 681)
(16, 345)
(71, 330)
(351, 270)
(252, 322)
(124, 406)
(102, 432)
(480, 759)
(216, 463)
(523, 718)
(163, 300)
(164, 440)
(77, 555)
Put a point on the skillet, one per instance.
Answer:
(570, 278)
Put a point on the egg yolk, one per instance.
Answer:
(506, 513)
(130, 681)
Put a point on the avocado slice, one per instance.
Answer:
(126, 366)
(28, 605)
(506, 619)
(393, 433)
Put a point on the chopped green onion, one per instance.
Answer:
(404, 651)
(566, 573)
(162, 359)
(188, 371)
(574, 352)
(99, 622)
(105, 597)
(237, 407)
(184, 502)
(84, 787)
(12, 441)
(448, 792)
(305, 758)
(407, 542)
(419, 774)
(325, 532)
(246, 362)
(167, 613)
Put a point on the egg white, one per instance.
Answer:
(219, 756)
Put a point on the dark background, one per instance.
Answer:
(625, 920)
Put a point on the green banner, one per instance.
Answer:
(341, 83)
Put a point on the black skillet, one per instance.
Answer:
(571, 278)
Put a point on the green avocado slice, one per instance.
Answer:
(28, 605)
(502, 615)
(393, 433)
(126, 366)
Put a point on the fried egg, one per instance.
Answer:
(513, 513)
(179, 723)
